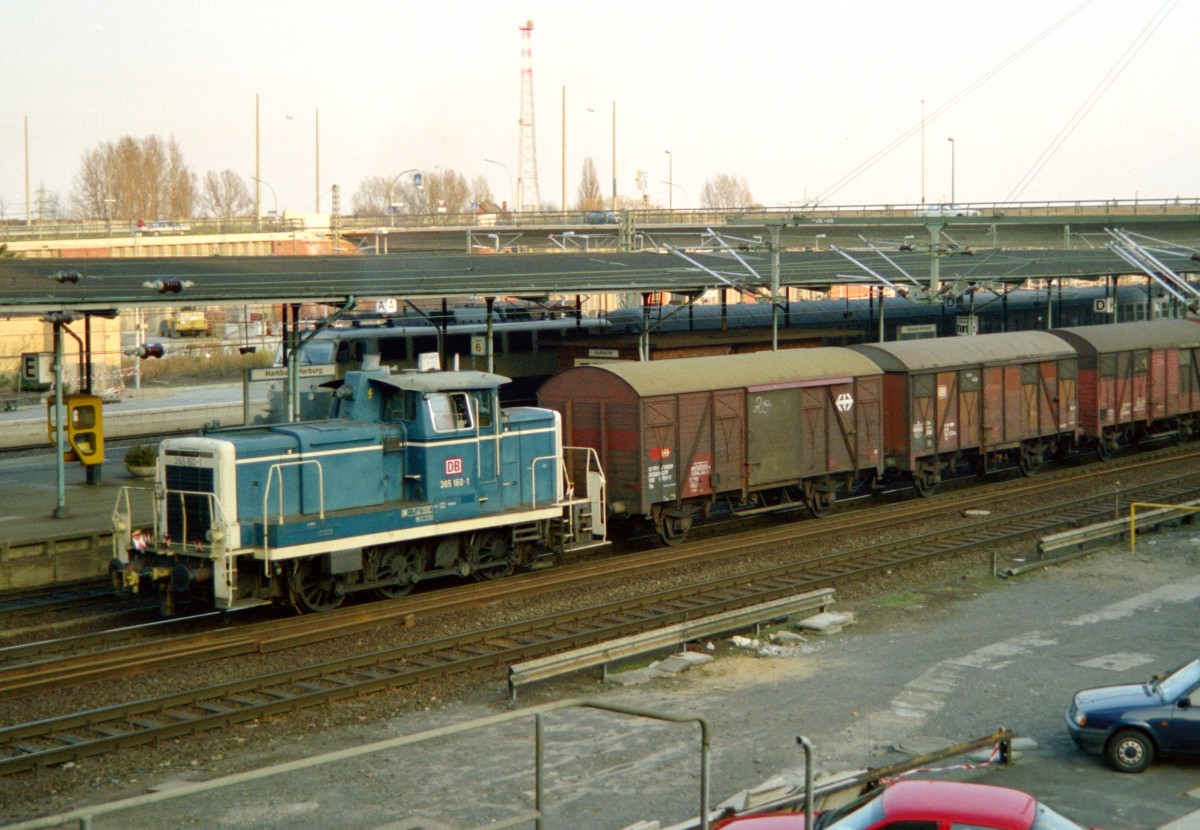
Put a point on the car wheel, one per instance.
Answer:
(1130, 751)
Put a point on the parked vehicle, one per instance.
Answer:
(1133, 723)
(945, 210)
(601, 217)
(165, 226)
(923, 804)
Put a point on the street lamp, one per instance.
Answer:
(392, 191)
(510, 190)
(952, 199)
(682, 190)
(670, 180)
(274, 198)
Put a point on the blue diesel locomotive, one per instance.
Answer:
(416, 475)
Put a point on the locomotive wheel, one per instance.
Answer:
(402, 565)
(1030, 460)
(492, 557)
(673, 529)
(1103, 450)
(313, 590)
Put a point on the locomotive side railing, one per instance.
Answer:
(276, 471)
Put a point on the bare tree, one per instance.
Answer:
(481, 193)
(132, 179)
(590, 197)
(373, 196)
(726, 191)
(443, 192)
(226, 195)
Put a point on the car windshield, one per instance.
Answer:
(1181, 680)
(1047, 819)
(858, 815)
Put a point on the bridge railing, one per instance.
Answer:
(16, 229)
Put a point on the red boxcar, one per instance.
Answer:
(762, 430)
(1137, 380)
(988, 400)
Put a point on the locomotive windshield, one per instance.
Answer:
(450, 411)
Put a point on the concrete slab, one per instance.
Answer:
(828, 622)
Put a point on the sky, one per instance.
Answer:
(1056, 100)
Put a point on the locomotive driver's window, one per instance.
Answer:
(450, 411)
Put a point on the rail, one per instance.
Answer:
(85, 816)
(610, 651)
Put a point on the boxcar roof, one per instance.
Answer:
(738, 371)
(948, 352)
(1151, 334)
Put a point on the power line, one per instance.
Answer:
(1107, 81)
(828, 193)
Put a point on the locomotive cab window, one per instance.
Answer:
(485, 405)
(401, 406)
(450, 411)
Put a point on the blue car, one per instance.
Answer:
(1132, 723)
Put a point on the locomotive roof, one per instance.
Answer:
(440, 381)
(937, 352)
(698, 374)
(1151, 334)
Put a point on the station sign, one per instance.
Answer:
(314, 370)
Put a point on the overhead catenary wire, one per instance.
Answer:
(887, 149)
(1102, 87)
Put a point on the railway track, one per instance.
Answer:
(82, 734)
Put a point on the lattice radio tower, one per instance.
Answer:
(527, 182)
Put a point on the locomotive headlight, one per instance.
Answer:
(214, 534)
(120, 526)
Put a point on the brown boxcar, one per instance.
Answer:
(762, 430)
(1137, 380)
(988, 400)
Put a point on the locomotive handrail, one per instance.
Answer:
(215, 511)
(278, 468)
(123, 522)
(591, 455)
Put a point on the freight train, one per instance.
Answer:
(416, 475)
(767, 431)
(423, 474)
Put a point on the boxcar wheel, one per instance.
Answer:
(1130, 751)
(312, 589)
(673, 529)
(926, 482)
(1030, 461)
(821, 500)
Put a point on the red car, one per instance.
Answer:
(923, 805)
